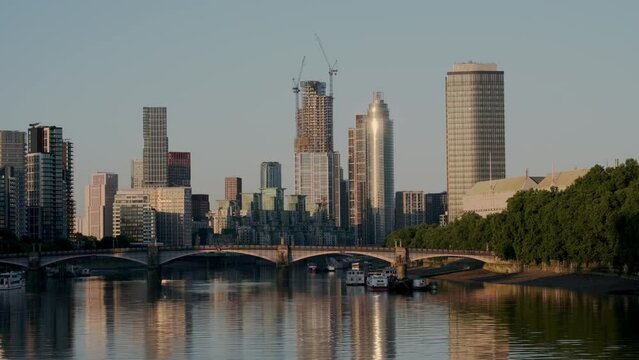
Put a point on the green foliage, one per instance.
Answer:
(595, 221)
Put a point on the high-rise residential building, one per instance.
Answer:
(270, 175)
(179, 165)
(233, 189)
(46, 188)
(133, 215)
(156, 147)
(314, 119)
(410, 208)
(358, 192)
(98, 198)
(272, 199)
(436, 205)
(173, 217)
(67, 176)
(137, 174)
(317, 177)
(12, 187)
(201, 206)
(316, 164)
(381, 169)
(475, 138)
(371, 173)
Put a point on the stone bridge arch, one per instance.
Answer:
(15, 262)
(302, 254)
(50, 260)
(167, 256)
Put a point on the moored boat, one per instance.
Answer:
(11, 280)
(355, 277)
(312, 267)
(424, 285)
(377, 282)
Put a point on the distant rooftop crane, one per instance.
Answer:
(332, 69)
(296, 85)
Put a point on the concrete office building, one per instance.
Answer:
(410, 208)
(233, 189)
(99, 197)
(133, 216)
(173, 217)
(201, 206)
(12, 186)
(475, 137)
(179, 168)
(156, 147)
(436, 205)
(137, 174)
(270, 175)
(46, 187)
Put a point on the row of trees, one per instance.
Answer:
(10, 243)
(594, 221)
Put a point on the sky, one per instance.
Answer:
(224, 71)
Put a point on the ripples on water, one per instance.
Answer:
(256, 313)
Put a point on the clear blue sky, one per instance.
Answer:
(224, 69)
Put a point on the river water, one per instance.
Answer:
(254, 312)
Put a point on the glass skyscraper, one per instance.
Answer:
(475, 137)
(156, 147)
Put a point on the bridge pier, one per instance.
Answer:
(283, 255)
(401, 260)
(153, 257)
(35, 274)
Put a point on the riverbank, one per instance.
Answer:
(591, 283)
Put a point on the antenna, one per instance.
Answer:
(296, 86)
(332, 69)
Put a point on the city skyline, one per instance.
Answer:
(86, 100)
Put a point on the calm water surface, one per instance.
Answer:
(252, 312)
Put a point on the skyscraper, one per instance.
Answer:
(46, 188)
(67, 176)
(316, 164)
(179, 167)
(381, 169)
(156, 147)
(270, 175)
(358, 192)
(371, 173)
(12, 185)
(99, 197)
(233, 189)
(475, 138)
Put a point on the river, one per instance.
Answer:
(254, 312)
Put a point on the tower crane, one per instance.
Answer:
(296, 85)
(332, 69)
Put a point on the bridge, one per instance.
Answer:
(282, 255)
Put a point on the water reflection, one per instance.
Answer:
(258, 312)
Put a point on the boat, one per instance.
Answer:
(355, 277)
(11, 280)
(312, 267)
(330, 267)
(389, 272)
(377, 282)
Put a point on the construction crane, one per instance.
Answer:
(296, 86)
(332, 69)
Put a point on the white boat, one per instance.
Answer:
(389, 272)
(421, 285)
(11, 280)
(355, 277)
(312, 267)
(377, 282)
(330, 267)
